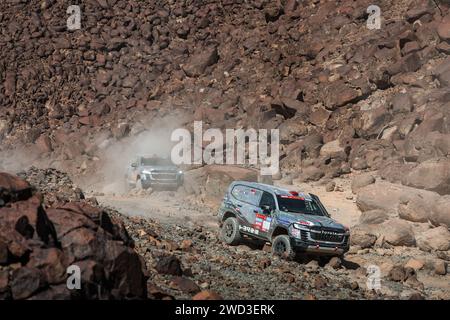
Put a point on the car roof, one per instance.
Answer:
(273, 189)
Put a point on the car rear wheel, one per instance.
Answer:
(230, 231)
(281, 246)
(139, 184)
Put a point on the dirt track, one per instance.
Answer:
(166, 207)
(170, 207)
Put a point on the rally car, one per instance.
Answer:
(291, 221)
(153, 171)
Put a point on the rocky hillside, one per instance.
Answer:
(344, 97)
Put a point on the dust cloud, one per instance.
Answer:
(116, 157)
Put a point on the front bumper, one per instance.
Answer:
(319, 248)
(149, 180)
(305, 240)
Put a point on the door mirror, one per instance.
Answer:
(266, 209)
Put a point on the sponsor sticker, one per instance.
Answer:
(266, 224)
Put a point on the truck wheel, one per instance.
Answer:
(230, 231)
(281, 246)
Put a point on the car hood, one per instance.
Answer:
(163, 168)
(287, 218)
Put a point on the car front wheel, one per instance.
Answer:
(230, 231)
(281, 246)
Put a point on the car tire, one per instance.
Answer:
(139, 184)
(281, 246)
(230, 233)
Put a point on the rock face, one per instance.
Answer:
(41, 243)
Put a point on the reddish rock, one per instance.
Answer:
(207, 295)
(124, 271)
(4, 281)
(13, 188)
(50, 262)
(184, 284)
(169, 265)
(25, 281)
(197, 63)
(29, 219)
(44, 144)
(155, 292)
(3, 253)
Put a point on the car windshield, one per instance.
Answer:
(298, 205)
(155, 162)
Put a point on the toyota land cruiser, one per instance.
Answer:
(291, 221)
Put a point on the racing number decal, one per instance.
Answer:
(249, 229)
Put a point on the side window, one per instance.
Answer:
(246, 194)
(312, 206)
(267, 200)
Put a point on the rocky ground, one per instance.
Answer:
(188, 232)
(180, 260)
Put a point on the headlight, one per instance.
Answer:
(146, 172)
(302, 224)
(294, 231)
(180, 172)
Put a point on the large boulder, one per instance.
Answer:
(443, 29)
(218, 178)
(361, 181)
(434, 239)
(373, 217)
(415, 210)
(433, 175)
(397, 233)
(363, 236)
(387, 197)
(441, 211)
(332, 149)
